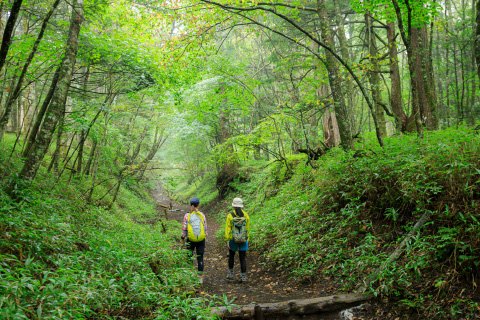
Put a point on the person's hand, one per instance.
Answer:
(228, 244)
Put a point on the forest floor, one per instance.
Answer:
(266, 282)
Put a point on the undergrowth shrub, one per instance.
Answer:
(344, 217)
(57, 262)
(64, 258)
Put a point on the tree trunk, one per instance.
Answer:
(459, 101)
(473, 85)
(227, 170)
(14, 123)
(425, 89)
(83, 134)
(395, 89)
(157, 144)
(136, 151)
(407, 41)
(81, 143)
(441, 58)
(8, 31)
(41, 114)
(98, 153)
(88, 165)
(2, 4)
(57, 105)
(430, 78)
(56, 154)
(334, 79)
(477, 37)
(108, 101)
(83, 139)
(13, 96)
(473, 103)
(373, 76)
(343, 43)
(115, 194)
(331, 134)
(441, 102)
(417, 47)
(447, 65)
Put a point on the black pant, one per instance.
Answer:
(200, 248)
(243, 262)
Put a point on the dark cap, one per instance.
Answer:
(195, 201)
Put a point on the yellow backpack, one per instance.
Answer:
(196, 227)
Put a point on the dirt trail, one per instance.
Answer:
(266, 283)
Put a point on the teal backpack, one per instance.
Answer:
(239, 230)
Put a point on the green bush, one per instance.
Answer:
(64, 258)
(343, 218)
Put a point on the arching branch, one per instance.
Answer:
(237, 11)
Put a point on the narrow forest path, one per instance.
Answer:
(266, 282)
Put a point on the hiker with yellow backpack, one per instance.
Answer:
(237, 232)
(194, 231)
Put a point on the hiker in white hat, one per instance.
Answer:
(237, 232)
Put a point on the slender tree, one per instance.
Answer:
(14, 94)
(56, 108)
(8, 31)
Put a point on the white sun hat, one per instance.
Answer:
(237, 202)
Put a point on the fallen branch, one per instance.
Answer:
(292, 307)
(399, 250)
(156, 267)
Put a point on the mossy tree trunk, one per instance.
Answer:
(343, 44)
(57, 105)
(15, 93)
(374, 77)
(406, 33)
(334, 78)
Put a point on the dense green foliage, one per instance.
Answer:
(62, 257)
(343, 219)
(217, 99)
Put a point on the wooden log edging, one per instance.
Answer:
(293, 307)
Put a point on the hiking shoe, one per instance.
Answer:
(230, 275)
(243, 278)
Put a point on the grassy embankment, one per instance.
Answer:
(344, 218)
(64, 258)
